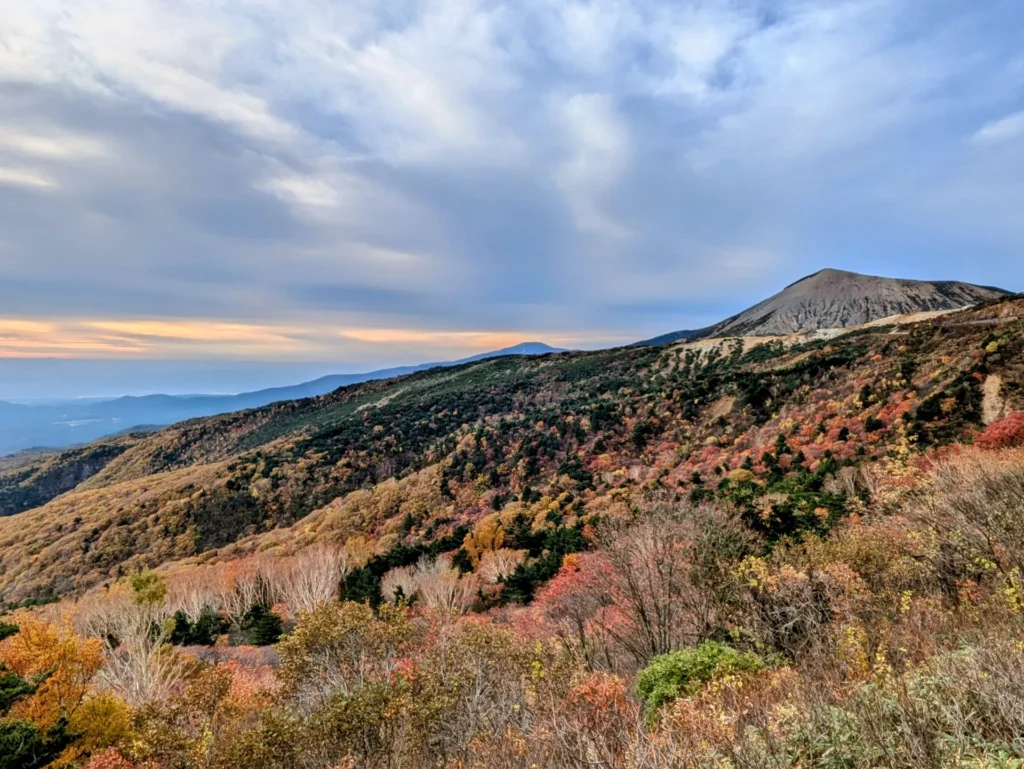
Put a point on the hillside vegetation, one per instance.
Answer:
(777, 431)
(731, 554)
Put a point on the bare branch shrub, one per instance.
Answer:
(495, 564)
(974, 506)
(309, 579)
(799, 612)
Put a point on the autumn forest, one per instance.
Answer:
(797, 551)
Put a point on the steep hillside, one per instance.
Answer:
(544, 443)
(40, 478)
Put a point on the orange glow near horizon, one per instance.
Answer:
(470, 340)
(199, 338)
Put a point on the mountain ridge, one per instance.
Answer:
(64, 424)
(833, 298)
(420, 460)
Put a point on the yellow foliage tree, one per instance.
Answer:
(67, 664)
(103, 720)
(40, 647)
(488, 534)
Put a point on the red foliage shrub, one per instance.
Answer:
(110, 759)
(1003, 434)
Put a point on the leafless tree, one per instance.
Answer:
(495, 564)
(242, 584)
(400, 581)
(191, 592)
(141, 666)
(441, 587)
(672, 564)
(311, 578)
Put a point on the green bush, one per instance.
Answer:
(202, 632)
(682, 673)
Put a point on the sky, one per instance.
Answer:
(191, 184)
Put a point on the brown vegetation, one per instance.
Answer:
(480, 569)
(893, 640)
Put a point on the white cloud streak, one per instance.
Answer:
(1004, 129)
(23, 177)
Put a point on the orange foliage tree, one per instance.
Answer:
(41, 647)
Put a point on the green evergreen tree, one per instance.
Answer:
(261, 626)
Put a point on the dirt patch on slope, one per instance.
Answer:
(992, 405)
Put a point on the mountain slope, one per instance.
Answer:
(66, 424)
(674, 336)
(420, 459)
(839, 299)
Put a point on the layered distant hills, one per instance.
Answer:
(412, 463)
(75, 422)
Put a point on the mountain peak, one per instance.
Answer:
(832, 298)
(523, 348)
(825, 274)
(528, 348)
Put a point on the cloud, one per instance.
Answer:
(54, 147)
(24, 177)
(157, 339)
(585, 169)
(599, 144)
(1004, 129)
(364, 298)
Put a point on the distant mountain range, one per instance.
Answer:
(56, 425)
(827, 299)
(839, 299)
(406, 466)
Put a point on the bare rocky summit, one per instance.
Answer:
(839, 299)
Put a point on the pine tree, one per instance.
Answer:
(261, 626)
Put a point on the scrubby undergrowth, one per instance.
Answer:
(679, 636)
(718, 557)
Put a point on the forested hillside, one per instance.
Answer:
(735, 554)
(770, 426)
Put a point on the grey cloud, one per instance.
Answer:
(364, 299)
(540, 165)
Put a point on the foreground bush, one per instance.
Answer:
(683, 673)
(963, 709)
